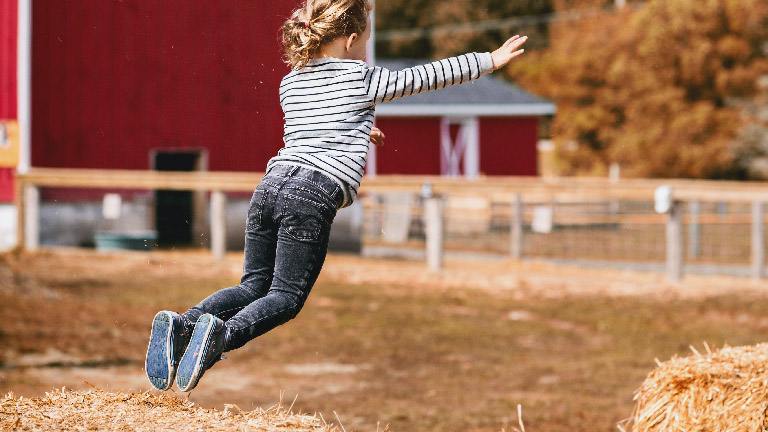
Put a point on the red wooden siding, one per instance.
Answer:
(8, 107)
(508, 145)
(412, 146)
(114, 80)
(8, 17)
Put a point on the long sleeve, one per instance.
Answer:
(383, 85)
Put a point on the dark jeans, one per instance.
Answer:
(286, 239)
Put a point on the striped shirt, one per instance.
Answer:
(329, 106)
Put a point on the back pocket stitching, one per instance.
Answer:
(259, 210)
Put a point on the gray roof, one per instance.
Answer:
(486, 96)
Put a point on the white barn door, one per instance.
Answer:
(460, 155)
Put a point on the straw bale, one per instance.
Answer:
(721, 391)
(105, 411)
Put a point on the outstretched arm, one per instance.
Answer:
(384, 85)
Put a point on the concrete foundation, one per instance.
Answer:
(76, 224)
(8, 222)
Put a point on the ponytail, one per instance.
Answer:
(320, 22)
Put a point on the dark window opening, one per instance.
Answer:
(175, 210)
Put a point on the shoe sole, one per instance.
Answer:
(159, 363)
(191, 365)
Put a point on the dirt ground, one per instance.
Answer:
(381, 341)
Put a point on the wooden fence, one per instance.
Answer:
(516, 190)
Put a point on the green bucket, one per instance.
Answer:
(138, 241)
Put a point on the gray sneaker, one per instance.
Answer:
(204, 350)
(166, 344)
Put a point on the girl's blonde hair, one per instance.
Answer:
(318, 22)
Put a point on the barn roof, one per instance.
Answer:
(487, 96)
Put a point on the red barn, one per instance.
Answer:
(135, 84)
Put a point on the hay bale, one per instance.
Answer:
(105, 411)
(722, 391)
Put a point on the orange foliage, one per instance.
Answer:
(650, 88)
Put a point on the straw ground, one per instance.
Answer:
(104, 411)
(379, 341)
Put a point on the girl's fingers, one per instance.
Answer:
(377, 136)
(508, 51)
(511, 40)
(516, 53)
(518, 42)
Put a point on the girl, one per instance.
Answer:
(328, 99)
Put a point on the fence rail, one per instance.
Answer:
(517, 192)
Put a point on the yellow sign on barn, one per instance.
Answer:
(9, 143)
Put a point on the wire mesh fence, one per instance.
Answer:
(714, 233)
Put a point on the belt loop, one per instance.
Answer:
(339, 197)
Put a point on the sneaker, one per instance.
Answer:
(166, 344)
(204, 350)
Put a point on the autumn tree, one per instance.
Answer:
(652, 89)
(447, 14)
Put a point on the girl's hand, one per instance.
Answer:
(508, 51)
(377, 136)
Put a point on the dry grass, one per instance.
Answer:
(379, 341)
(104, 411)
(723, 391)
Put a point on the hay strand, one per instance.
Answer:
(341, 425)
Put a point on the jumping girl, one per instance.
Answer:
(328, 99)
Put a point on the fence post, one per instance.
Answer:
(433, 213)
(758, 239)
(675, 242)
(694, 230)
(19, 203)
(31, 202)
(218, 223)
(516, 229)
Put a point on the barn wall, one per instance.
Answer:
(8, 107)
(412, 146)
(114, 80)
(508, 145)
(8, 32)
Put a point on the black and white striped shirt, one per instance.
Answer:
(329, 106)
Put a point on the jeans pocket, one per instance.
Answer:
(307, 218)
(307, 228)
(256, 209)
